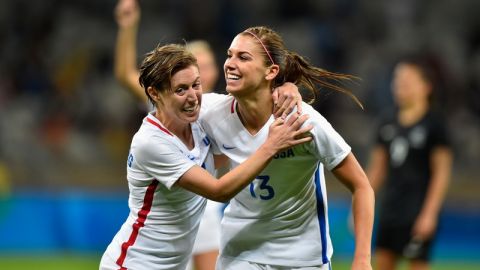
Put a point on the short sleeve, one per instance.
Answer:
(440, 134)
(162, 160)
(328, 146)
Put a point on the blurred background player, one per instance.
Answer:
(127, 13)
(411, 162)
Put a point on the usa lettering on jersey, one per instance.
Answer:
(285, 154)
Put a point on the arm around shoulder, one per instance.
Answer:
(282, 135)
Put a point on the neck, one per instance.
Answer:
(255, 110)
(179, 129)
(409, 115)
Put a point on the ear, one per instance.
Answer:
(272, 72)
(154, 94)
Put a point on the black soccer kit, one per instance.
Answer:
(408, 175)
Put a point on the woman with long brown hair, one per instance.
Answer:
(280, 220)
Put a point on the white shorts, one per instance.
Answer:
(233, 264)
(208, 236)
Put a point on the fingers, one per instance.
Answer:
(299, 103)
(127, 12)
(297, 125)
(285, 105)
(304, 132)
(301, 136)
(296, 120)
(286, 98)
(294, 117)
(278, 122)
(301, 140)
(290, 132)
(275, 100)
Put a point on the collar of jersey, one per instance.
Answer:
(154, 121)
(232, 107)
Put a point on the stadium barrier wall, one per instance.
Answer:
(79, 221)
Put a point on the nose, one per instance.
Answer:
(228, 63)
(191, 94)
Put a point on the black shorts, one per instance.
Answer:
(398, 239)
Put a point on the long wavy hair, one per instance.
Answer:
(296, 69)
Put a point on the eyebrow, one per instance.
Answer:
(197, 79)
(240, 52)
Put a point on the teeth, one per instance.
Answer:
(190, 109)
(233, 77)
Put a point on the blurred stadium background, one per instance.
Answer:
(66, 123)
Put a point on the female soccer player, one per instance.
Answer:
(412, 162)
(127, 14)
(280, 220)
(169, 163)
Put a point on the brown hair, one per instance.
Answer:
(296, 69)
(160, 64)
(429, 68)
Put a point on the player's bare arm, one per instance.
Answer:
(127, 14)
(282, 134)
(351, 174)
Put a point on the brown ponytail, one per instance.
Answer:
(299, 71)
(296, 69)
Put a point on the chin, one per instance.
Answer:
(232, 90)
(191, 119)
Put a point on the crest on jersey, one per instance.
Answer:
(130, 160)
(206, 140)
(417, 136)
(388, 132)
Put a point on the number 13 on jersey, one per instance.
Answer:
(259, 188)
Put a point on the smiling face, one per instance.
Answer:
(181, 104)
(244, 68)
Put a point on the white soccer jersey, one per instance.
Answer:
(160, 230)
(210, 100)
(208, 236)
(281, 218)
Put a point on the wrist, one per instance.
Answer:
(363, 257)
(268, 149)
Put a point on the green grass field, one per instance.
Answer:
(71, 262)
